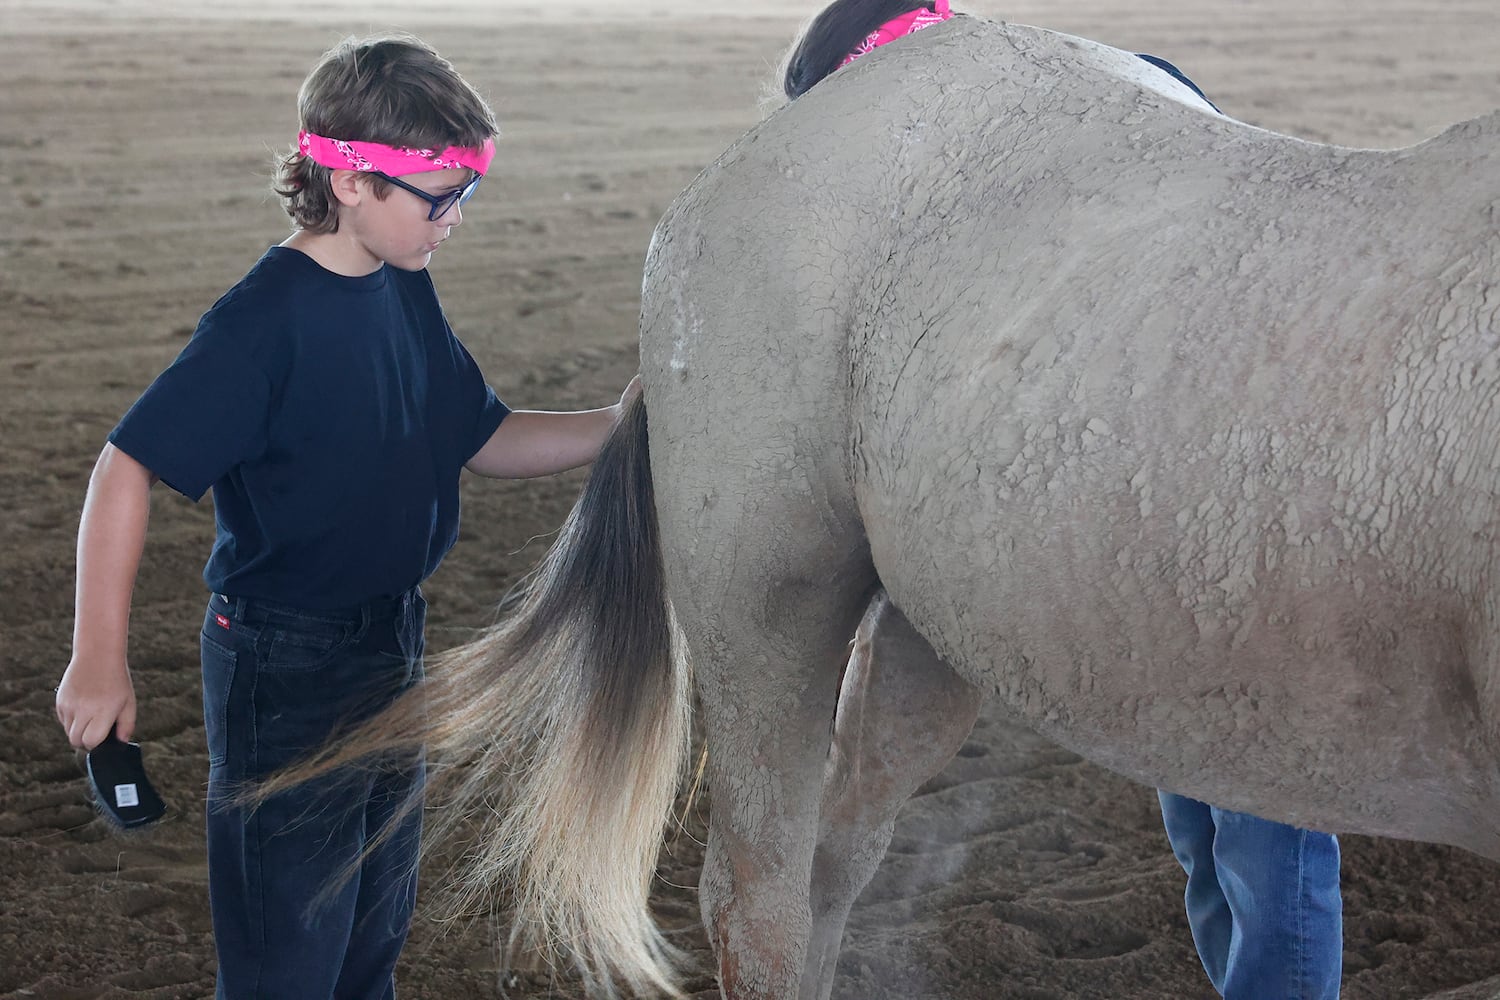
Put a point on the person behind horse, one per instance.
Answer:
(1262, 897)
(330, 407)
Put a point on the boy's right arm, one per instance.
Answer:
(96, 693)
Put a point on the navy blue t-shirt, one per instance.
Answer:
(332, 417)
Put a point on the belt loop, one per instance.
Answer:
(236, 607)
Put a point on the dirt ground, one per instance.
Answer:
(135, 139)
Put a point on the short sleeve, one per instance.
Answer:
(491, 412)
(206, 413)
(482, 410)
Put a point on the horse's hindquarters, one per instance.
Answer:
(1188, 509)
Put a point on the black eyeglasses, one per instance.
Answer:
(440, 202)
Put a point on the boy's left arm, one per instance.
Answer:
(530, 443)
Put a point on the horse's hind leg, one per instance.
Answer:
(902, 715)
(767, 625)
(766, 715)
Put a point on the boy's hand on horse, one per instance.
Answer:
(533, 443)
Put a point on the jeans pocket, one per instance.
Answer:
(305, 645)
(219, 662)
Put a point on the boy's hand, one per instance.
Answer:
(91, 702)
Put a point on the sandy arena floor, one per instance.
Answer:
(135, 139)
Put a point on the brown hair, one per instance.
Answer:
(391, 89)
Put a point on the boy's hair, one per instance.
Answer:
(832, 35)
(391, 89)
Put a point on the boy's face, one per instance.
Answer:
(396, 230)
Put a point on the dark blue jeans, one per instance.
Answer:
(292, 919)
(1263, 901)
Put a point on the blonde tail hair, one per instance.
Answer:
(563, 730)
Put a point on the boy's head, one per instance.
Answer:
(393, 90)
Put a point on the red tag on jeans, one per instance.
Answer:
(223, 622)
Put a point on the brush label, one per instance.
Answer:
(125, 796)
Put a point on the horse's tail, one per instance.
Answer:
(563, 730)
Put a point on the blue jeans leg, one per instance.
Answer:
(1190, 830)
(300, 911)
(1262, 899)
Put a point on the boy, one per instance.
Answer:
(328, 404)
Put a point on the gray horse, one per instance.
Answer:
(1177, 436)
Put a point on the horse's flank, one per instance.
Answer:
(1175, 433)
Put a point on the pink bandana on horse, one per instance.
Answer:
(393, 161)
(899, 27)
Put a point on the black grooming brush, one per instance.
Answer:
(121, 788)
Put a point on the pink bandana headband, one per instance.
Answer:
(899, 27)
(394, 161)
